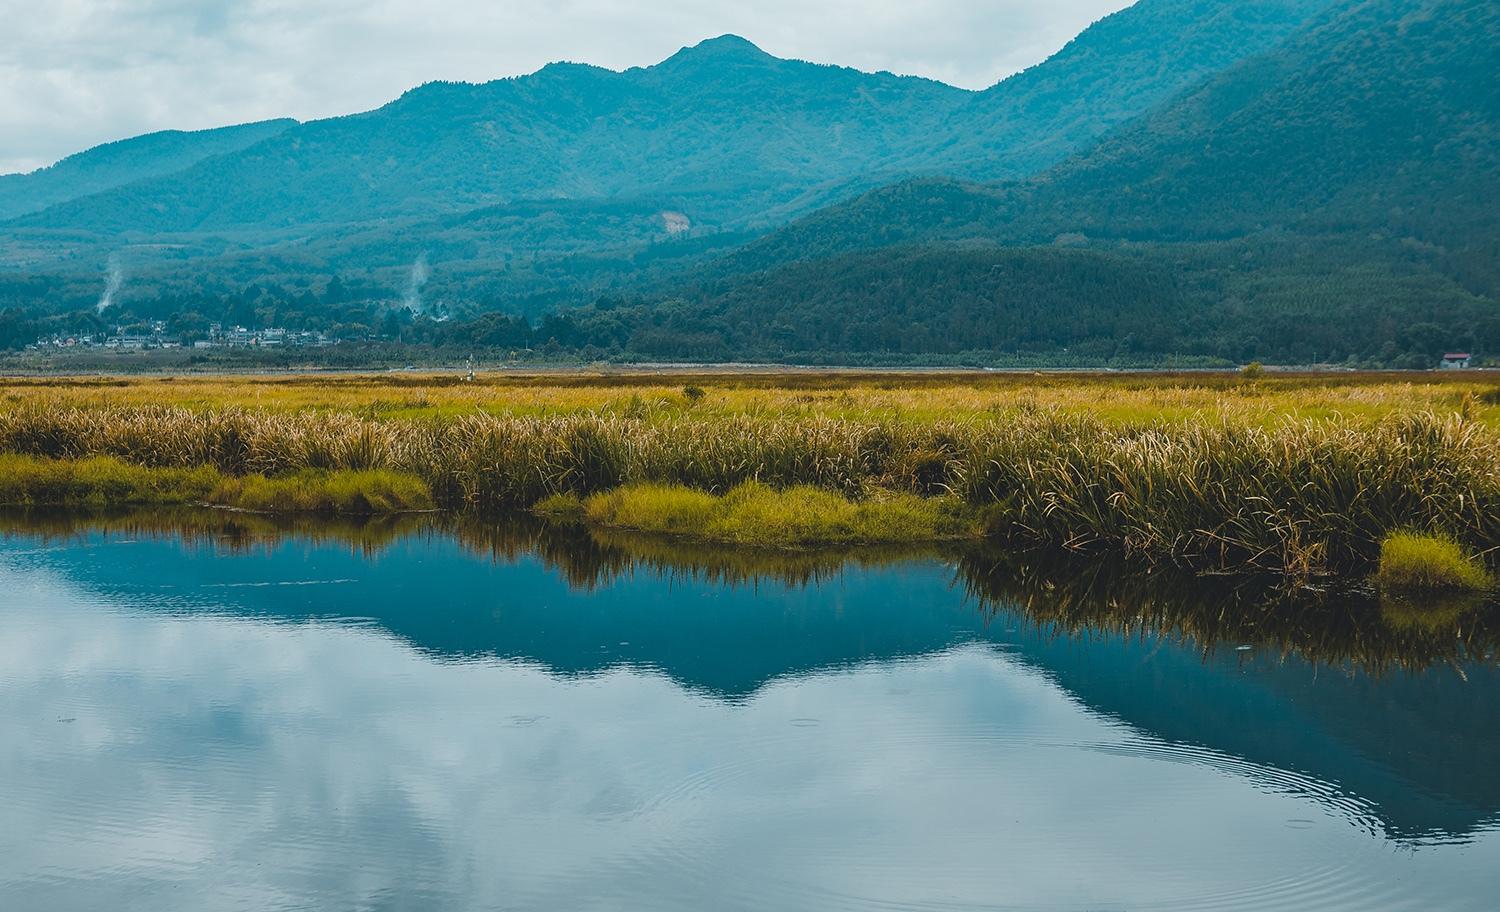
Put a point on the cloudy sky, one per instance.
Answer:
(74, 73)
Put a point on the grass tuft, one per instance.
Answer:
(798, 517)
(105, 481)
(1411, 560)
(314, 491)
(99, 481)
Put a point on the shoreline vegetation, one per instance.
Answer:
(105, 481)
(1297, 476)
(756, 515)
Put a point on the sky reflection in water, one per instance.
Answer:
(302, 724)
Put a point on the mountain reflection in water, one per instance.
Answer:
(1384, 713)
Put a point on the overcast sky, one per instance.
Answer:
(74, 73)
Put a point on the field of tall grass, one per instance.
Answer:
(867, 396)
(1294, 476)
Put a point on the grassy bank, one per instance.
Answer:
(756, 515)
(351, 492)
(100, 481)
(105, 481)
(1300, 478)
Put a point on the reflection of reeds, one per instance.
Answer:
(665, 557)
(1075, 594)
(588, 559)
(230, 531)
(1336, 627)
(1297, 496)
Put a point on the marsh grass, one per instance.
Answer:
(908, 397)
(1415, 561)
(353, 493)
(799, 517)
(99, 481)
(1288, 475)
(105, 481)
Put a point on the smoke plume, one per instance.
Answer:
(111, 285)
(414, 282)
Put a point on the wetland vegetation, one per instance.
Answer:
(1300, 475)
(107, 481)
(1410, 560)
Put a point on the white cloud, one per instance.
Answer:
(74, 73)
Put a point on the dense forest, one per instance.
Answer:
(1291, 301)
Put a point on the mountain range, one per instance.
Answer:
(1271, 178)
(1333, 194)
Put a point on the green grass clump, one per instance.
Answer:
(314, 491)
(1411, 560)
(757, 515)
(99, 481)
(105, 481)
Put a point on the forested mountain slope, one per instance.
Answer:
(743, 138)
(1386, 119)
(1291, 180)
(1125, 64)
(116, 164)
(1332, 198)
(722, 115)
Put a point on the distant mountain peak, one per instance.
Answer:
(723, 49)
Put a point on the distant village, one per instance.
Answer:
(153, 335)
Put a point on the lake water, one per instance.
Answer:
(204, 712)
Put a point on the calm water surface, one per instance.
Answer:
(214, 718)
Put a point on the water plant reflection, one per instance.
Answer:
(1347, 626)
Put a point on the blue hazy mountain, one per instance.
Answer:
(1382, 118)
(722, 116)
(116, 164)
(741, 137)
(1317, 200)
(1125, 64)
